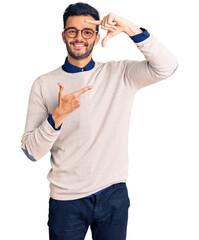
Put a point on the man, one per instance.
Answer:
(84, 123)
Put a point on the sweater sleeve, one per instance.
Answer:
(159, 64)
(52, 123)
(39, 135)
(141, 36)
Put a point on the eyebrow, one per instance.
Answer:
(82, 29)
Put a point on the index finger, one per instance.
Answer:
(83, 90)
(96, 22)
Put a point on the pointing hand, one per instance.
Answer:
(67, 103)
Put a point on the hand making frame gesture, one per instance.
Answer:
(115, 24)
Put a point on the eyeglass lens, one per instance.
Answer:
(86, 33)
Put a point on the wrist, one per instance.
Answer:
(57, 115)
(57, 120)
(132, 30)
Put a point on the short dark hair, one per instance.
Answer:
(79, 9)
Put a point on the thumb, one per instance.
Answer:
(61, 85)
(108, 36)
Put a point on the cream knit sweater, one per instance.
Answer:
(90, 151)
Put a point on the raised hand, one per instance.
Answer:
(67, 103)
(115, 24)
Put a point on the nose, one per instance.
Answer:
(79, 36)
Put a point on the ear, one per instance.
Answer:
(97, 39)
(63, 37)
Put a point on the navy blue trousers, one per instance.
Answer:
(106, 214)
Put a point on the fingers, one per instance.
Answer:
(109, 28)
(95, 22)
(109, 22)
(106, 23)
(61, 85)
(77, 93)
(83, 90)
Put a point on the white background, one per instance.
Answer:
(163, 182)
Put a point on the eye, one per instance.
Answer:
(88, 32)
(72, 31)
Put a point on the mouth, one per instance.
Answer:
(79, 45)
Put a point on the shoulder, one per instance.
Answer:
(44, 81)
(49, 75)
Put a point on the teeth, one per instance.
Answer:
(79, 45)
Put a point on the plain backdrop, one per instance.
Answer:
(163, 181)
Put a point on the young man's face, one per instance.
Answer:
(79, 47)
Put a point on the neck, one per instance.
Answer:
(79, 63)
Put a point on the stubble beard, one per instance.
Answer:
(82, 56)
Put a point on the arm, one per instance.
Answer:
(42, 130)
(39, 135)
(160, 63)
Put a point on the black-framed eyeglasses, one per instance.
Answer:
(86, 33)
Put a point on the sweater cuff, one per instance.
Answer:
(141, 36)
(52, 123)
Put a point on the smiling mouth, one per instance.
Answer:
(79, 45)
